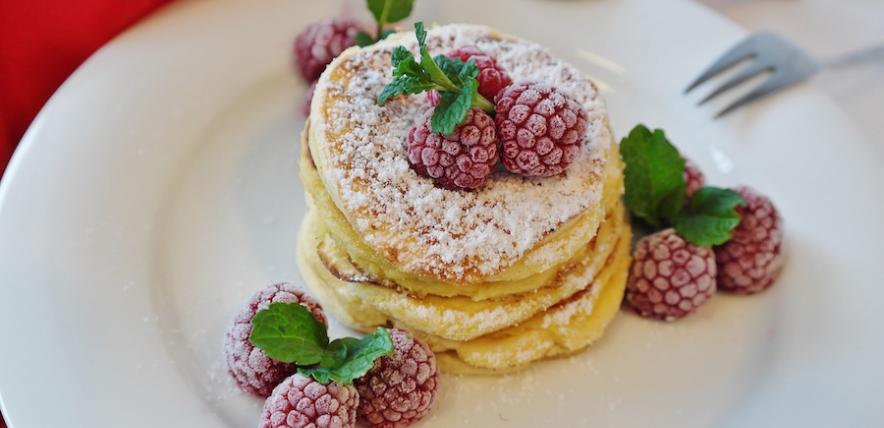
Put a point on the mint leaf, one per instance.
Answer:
(654, 176)
(385, 12)
(451, 67)
(389, 11)
(287, 332)
(456, 70)
(454, 79)
(404, 64)
(710, 216)
(336, 353)
(430, 67)
(363, 39)
(410, 77)
(421, 34)
(321, 375)
(385, 34)
(453, 108)
(361, 356)
(469, 70)
(335, 356)
(359, 359)
(403, 86)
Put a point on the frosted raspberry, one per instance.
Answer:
(462, 160)
(542, 129)
(253, 370)
(753, 258)
(400, 388)
(302, 402)
(321, 42)
(693, 177)
(670, 277)
(492, 79)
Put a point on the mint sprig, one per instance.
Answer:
(655, 191)
(454, 79)
(654, 176)
(409, 77)
(357, 356)
(288, 332)
(709, 216)
(363, 39)
(384, 12)
(454, 106)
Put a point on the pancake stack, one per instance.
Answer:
(520, 270)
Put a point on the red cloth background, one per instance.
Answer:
(41, 43)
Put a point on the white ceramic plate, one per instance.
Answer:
(158, 189)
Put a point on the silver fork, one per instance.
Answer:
(770, 52)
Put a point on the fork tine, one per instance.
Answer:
(750, 72)
(774, 83)
(741, 51)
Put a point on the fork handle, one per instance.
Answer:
(871, 53)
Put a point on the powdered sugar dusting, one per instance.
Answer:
(450, 234)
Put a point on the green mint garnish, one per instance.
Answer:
(709, 216)
(654, 176)
(455, 81)
(409, 77)
(384, 12)
(386, 33)
(358, 357)
(655, 191)
(363, 39)
(287, 332)
(453, 108)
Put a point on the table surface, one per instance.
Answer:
(825, 28)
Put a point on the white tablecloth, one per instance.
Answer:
(828, 28)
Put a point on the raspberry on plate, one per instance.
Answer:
(542, 129)
(400, 388)
(321, 42)
(302, 402)
(752, 259)
(693, 177)
(670, 277)
(492, 79)
(462, 160)
(253, 370)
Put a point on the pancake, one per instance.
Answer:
(520, 270)
(566, 327)
(373, 266)
(460, 318)
(457, 237)
(464, 317)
